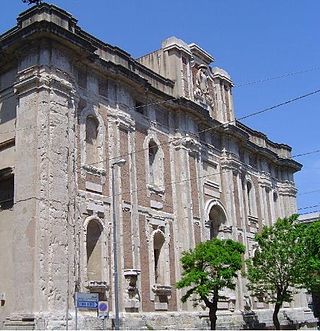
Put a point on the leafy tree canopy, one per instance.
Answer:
(310, 253)
(274, 270)
(209, 268)
(287, 258)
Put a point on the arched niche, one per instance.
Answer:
(159, 257)
(94, 250)
(92, 136)
(216, 219)
(92, 146)
(154, 161)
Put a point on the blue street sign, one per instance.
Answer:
(86, 300)
(87, 304)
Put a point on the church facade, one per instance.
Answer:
(90, 136)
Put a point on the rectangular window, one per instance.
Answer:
(140, 108)
(103, 87)
(162, 117)
(6, 189)
(82, 77)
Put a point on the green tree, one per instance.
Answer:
(207, 269)
(310, 252)
(310, 266)
(275, 270)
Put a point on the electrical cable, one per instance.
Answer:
(310, 212)
(308, 207)
(210, 128)
(309, 192)
(263, 80)
(306, 153)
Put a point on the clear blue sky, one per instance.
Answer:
(253, 40)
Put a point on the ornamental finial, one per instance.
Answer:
(30, 2)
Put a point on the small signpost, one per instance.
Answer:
(86, 301)
(103, 311)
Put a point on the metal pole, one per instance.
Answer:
(76, 319)
(115, 254)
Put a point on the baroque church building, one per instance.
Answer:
(100, 151)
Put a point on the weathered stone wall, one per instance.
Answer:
(183, 181)
(8, 104)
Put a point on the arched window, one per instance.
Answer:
(93, 247)
(92, 150)
(159, 258)
(216, 219)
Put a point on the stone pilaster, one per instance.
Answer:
(45, 177)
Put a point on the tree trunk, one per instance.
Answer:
(213, 307)
(276, 322)
(213, 312)
(213, 318)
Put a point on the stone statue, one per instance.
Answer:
(132, 295)
(247, 303)
(202, 91)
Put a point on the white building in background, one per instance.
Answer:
(70, 107)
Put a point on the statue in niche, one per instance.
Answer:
(202, 90)
(247, 303)
(132, 295)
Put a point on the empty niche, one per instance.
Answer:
(93, 247)
(92, 152)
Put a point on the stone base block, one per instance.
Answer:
(290, 318)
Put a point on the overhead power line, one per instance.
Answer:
(169, 189)
(310, 212)
(280, 104)
(289, 74)
(204, 130)
(308, 207)
(216, 126)
(309, 192)
(306, 153)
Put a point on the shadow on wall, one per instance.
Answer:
(8, 110)
(251, 321)
(8, 105)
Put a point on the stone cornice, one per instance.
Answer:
(189, 143)
(287, 188)
(39, 77)
(77, 39)
(121, 119)
(265, 182)
(242, 133)
(265, 152)
(231, 164)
